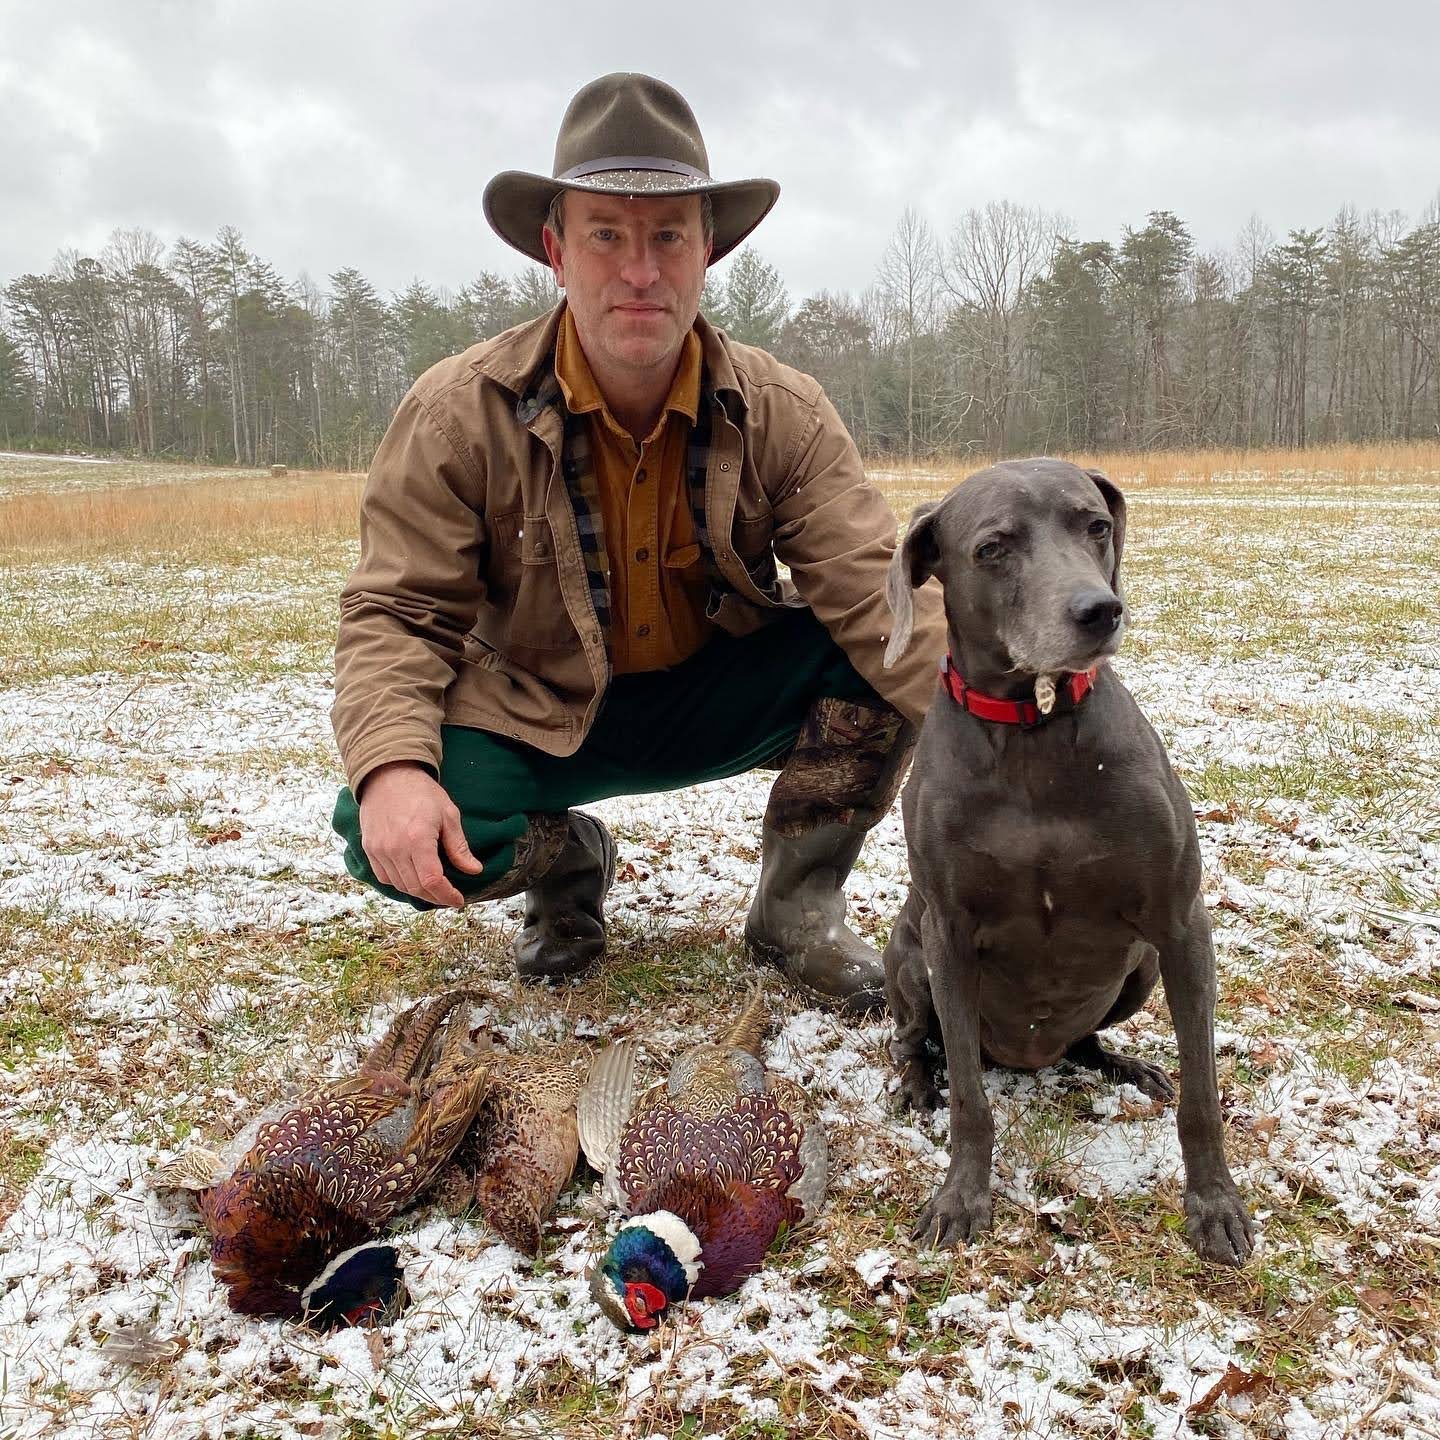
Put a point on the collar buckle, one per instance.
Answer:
(1022, 713)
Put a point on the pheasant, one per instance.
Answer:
(520, 1151)
(297, 1191)
(709, 1165)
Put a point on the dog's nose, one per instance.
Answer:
(1096, 610)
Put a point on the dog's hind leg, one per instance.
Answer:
(907, 990)
(1144, 1075)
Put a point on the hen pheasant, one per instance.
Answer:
(708, 1165)
(303, 1185)
(520, 1151)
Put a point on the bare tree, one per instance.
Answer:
(990, 261)
(908, 284)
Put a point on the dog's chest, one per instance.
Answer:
(1004, 860)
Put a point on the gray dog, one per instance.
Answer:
(1055, 868)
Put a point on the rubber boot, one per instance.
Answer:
(564, 929)
(840, 779)
(797, 922)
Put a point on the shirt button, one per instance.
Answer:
(642, 630)
(642, 554)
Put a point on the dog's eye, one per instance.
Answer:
(990, 550)
(1099, 529)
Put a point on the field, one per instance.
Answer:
(181, 945)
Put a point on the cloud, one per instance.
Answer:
(363, 134)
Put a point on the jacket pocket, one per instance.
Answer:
(530, 584)
(683, 558)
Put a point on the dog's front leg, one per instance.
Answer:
(1215, 1216)
(960, 1209)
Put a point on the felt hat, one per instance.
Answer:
(628, 135)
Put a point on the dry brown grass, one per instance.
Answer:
(1417, 463)
(245, 511)
(1320, 467)
(240, 512)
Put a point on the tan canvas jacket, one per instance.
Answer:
(470, 603)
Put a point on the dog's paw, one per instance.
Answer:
(917, 1088)
(953, 1217)
(1218, 1225)
(1147, 1077)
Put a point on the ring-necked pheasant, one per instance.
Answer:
(520, 1151)
(293, 1195)
(708, 1165)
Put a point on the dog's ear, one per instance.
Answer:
(1115, 503)
(912, 564)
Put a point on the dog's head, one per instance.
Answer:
(1028, 553)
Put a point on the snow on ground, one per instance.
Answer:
(24, 473)
(154, 803)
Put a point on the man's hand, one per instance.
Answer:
(405, 818)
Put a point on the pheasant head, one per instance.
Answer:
(652, 1263)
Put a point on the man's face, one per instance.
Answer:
(632, 269)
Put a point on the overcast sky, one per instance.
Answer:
(363, 133)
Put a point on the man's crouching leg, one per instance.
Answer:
(841, 778)
(564, 930)
(565, 864)
(563, 860)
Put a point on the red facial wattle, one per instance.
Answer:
(643, 1304)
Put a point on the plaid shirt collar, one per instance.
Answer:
(577, 466)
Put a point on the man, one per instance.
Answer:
(568, 586)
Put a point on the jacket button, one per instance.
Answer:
(539, 547)
(642, 630)
(724, 464)
(642, 554)
(639, 477)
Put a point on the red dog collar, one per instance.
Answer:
(1008, 712)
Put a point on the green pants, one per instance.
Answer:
(737, 704)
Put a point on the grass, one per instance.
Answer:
(1315, 471)
(170, 587)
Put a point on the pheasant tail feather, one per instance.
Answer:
(748, 1032)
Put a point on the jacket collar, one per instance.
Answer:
(516, 358)
(1025, 713)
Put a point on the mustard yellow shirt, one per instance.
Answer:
(658, 588)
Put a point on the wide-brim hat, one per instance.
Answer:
(627, 135)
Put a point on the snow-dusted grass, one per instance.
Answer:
(181, 945)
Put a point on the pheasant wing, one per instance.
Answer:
(197, 1169)
(809, 1187)
(604, 1104)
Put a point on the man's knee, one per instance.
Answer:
(846, 767)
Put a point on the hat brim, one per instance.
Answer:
(517, 203)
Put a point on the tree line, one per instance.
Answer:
(1004, 335)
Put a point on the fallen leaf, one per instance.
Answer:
(1141, 1109)
(216, 837)
(1377, 1302)
(1223, 813)
(1265, 1125)
(1264, 1055)
(375, 1343)
(1287, 827)
(1234, 1381)
(1308, 1321)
